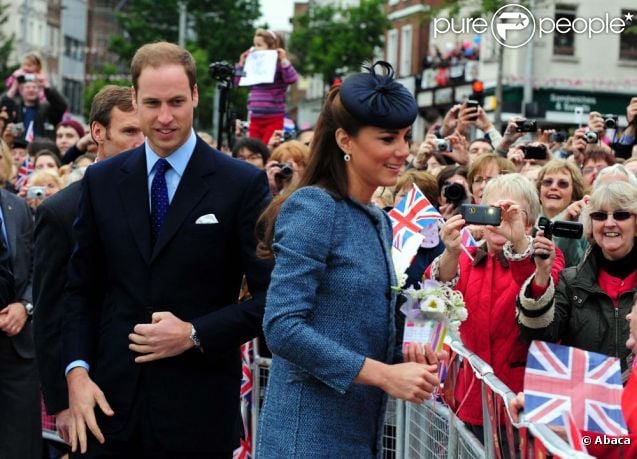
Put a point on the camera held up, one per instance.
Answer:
(559, 228)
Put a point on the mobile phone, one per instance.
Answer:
(526, 126)
(36, 192)
(534, 151)
(481, 214)
(474, 104)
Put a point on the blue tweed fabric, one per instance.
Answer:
(329, 306)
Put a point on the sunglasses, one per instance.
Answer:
(561, 183)
(618, 215)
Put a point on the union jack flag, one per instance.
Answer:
(587, 385)
(30, 134)
(245, 445)
(466, 238)
(410, 215)
(24, 172)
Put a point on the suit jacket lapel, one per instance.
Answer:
(133, 190)
(191, 190)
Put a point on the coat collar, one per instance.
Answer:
(133, 191)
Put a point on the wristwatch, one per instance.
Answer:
(28, 306)
(194, 338)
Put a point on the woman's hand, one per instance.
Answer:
(459, 152)
(243, 57)
(450, 235)
(543, 266)
(282, 56)
(422, 353)
(411, 381)
(574, 210)
(513, 224)
(516, 156)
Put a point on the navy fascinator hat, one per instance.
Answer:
(376, 99)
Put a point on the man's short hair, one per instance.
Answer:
(108, 97)
(163, 53)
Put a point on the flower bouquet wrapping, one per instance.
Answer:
(431, 311)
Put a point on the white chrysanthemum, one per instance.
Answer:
(433, 304)
(460, 314)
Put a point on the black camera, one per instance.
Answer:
(558, 137)
(221, 71)
(288, 135)
(591, 137)
(559, 228)
(481, 214)
(534, 151)
(443, 145)
(526, 126)
(610, 121)
(454, 193)
(285, 172)
(27, 77)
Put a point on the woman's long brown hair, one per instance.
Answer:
(325, 169)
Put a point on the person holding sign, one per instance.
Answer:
(266, 100)
(330, 310)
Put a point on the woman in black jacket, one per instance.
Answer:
(587, 308)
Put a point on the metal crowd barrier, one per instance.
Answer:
(427, 431)
(433, 431)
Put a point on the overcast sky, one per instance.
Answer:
(277, 13)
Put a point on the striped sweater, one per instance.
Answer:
(268, 99)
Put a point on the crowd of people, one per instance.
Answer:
(126, 242)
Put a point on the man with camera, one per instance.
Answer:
(24, 106)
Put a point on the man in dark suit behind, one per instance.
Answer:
(114, 126)
(20, 421)
(152, 327)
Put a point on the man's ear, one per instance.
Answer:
(343, 140)
(98, 132)
(133, 94)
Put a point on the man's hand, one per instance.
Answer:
(167, 336)
(84, 394)
(63, 420)
(13, 318)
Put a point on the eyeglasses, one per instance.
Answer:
(618, 215)
(561, 183)
(590, 170)
(479, 180)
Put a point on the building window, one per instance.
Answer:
(405, 50)
(564, 42)
(628, 38)
(392, 47)
(72, 90)
(73, 48)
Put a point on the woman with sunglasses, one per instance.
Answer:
(588, 306)
(560, 186)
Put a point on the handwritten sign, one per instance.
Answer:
(260, 67)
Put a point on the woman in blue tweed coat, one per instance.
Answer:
(329, 317)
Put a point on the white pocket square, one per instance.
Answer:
(207, 219)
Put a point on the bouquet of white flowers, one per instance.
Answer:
(430, 311)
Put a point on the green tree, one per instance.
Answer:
(6, 44)
(219, 30)
(331, 39)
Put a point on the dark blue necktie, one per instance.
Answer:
(159, 197)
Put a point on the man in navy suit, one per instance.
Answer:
(152, 327)
(114, 126)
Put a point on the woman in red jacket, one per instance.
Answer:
(490, 281)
